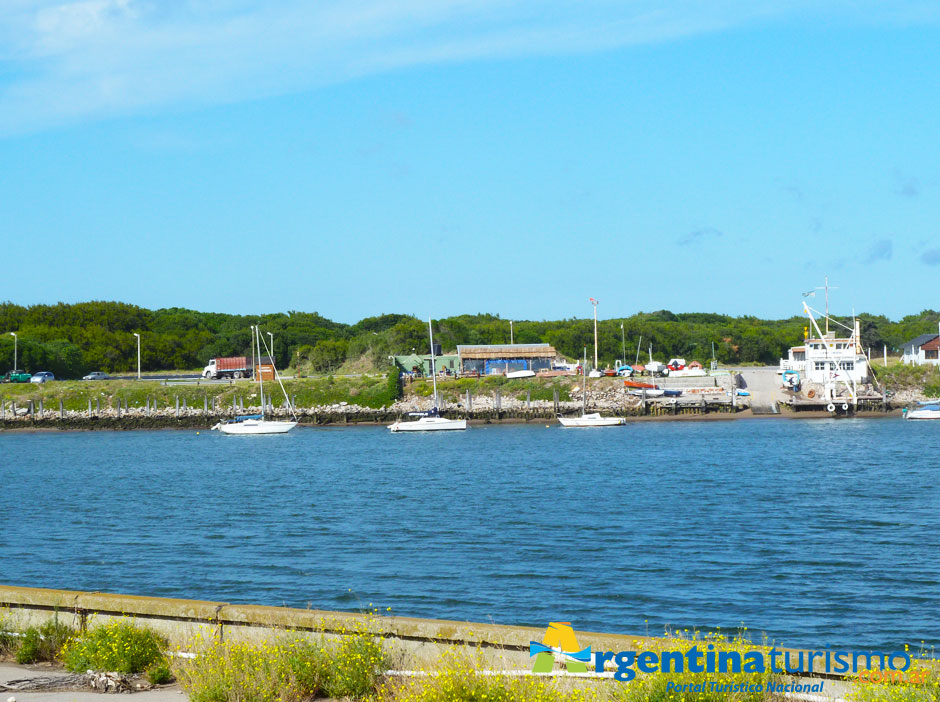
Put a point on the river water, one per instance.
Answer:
(808, 532)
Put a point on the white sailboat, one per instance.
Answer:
(432, 419)
(256, 423)
(594, 419)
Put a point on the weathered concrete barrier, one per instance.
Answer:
(182, 620)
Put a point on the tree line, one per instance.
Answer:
(73, 339)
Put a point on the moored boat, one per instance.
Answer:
(927, 410)
(432, 419)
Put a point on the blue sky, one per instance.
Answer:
(361, 157)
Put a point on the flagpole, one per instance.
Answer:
(623, 343)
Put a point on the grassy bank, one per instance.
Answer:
(368, 390)
(904, 378)
(454, 390)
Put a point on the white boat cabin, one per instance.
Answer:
(829, 358)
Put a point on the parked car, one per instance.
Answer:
(16, 376)
(96, 375)
(41, 377)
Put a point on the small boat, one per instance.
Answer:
(687, 373)
(429, 421)
(593, 419)
(520, 374)
(638, 384)
(927, 410)
(255, 424)
(653, 392)
(432, 420)
(671, 393)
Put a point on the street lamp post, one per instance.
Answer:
(13, 334)
(138, 354)
(510, 331)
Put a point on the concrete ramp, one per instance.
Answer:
(765, 389)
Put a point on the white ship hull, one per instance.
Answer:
(430, 424)
(257, 426)
(591, 420)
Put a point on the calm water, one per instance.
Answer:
(815, 532)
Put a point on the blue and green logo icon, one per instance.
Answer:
(561, 644)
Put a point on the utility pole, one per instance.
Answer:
(594, 302)
(13, 334)
(510, 332)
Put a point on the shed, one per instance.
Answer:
(502, 358)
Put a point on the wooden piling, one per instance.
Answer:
(61, 409)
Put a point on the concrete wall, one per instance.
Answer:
(412, 641)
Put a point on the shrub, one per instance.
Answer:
(119, 646)
(43, 643)
(393, 388)
(285, 670)
(159, 673)
(897, 692)
(458, 680)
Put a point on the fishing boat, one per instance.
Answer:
(594, 419)
(432, 419)
(256, 423)
(927, 410)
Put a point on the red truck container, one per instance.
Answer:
(230, 367)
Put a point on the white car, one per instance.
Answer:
(41, 377)
(96, 375)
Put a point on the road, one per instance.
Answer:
(10, 672)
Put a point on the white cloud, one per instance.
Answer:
(64, 61)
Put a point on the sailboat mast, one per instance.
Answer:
(260, 374)
(584, 384)
(433, 370)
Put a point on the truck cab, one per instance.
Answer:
(16, 376)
